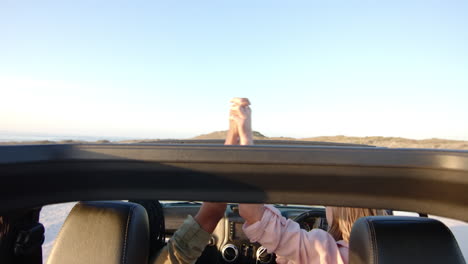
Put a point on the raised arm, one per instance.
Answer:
(232, 137)
(290, 242)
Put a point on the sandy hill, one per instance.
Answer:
(391, 142)
(222, 135)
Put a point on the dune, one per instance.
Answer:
(389, 142)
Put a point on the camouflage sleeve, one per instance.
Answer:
(185, 246)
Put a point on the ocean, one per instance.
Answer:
(12, 137)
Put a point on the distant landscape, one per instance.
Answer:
(390, 142)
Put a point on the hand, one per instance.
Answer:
(241, 115)
(209, 215)
(251, 213)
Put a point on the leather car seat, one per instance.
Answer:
(395, 239)
(103, 232)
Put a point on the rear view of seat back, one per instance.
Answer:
(395, 239)
(103, 232)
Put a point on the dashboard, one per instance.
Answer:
(229, 244)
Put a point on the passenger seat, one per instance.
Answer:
(105, 233)
(399, 239)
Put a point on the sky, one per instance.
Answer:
(167, 69)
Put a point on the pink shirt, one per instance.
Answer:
(291, 244)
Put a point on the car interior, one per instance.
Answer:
(373, 239)
(299, 180)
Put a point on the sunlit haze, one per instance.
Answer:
(167, 69)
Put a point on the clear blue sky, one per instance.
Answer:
(164, 69)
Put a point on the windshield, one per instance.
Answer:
(366, 72)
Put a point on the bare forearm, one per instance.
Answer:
(209, 215)
(245, 131)
(206, 223)
(246, 135)
(232, 137)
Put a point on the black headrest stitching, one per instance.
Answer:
(125, 243)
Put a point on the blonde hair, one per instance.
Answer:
(343, 219)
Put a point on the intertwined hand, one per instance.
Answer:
(240, 122)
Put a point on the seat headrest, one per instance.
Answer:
(103, 232)
(395, 239)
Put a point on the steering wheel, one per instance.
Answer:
(301, 220)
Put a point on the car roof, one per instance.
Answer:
(422, 180)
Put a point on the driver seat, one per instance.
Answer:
(399, 239)
(103, 232)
